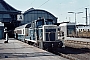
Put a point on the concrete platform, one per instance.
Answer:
(17, 50)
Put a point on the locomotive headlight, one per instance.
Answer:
(52, 45)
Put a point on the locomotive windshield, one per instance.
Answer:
(71, 30)
(40, 23)
(49, 22)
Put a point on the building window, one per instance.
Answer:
(88, 30)
(23, 31)
(79, 30)
(83, 29)
(19, 31)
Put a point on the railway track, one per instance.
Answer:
(77, 44)
(73, 53)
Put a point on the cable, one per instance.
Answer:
(43, 3)
(82, 7)
(32, 2)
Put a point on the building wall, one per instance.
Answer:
(34, 14)
(8, 16)
(83, 28)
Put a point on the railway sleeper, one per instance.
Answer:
(84, 43)
(78, 42)
(69, 41)
(88, 43)
(69, 57)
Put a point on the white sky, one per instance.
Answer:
(59, 8)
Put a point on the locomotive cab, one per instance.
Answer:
(50, 37)
(45, 34)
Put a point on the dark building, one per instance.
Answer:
(34, 14)
(8, 16)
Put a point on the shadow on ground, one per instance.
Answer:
(24, 55)
(70, 50)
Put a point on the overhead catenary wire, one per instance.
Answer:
(32, 2)
(44, 3)
(82, 7)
